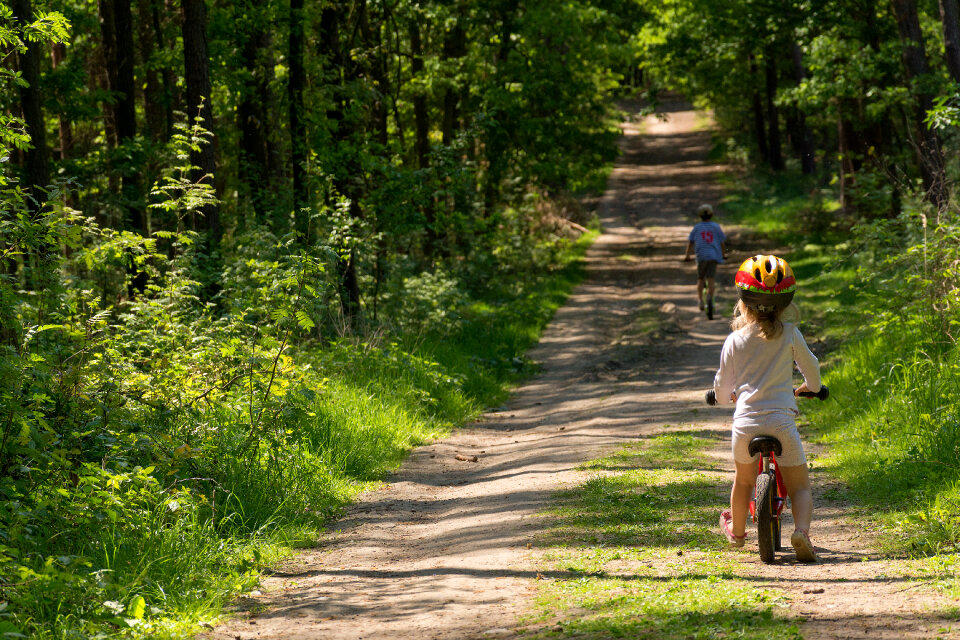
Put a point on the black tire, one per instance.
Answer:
(709, 309)
(777, 545)
(768, 527)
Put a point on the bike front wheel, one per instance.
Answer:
(768, 525)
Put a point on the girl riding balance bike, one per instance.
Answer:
(756, 370)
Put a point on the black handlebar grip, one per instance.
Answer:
(823, 394)
(711, 397)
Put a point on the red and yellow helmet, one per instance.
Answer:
(766, 283)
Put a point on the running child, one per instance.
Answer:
(707, 238)
(756, 370)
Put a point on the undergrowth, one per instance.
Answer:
(159, 452)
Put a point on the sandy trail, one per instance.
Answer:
(442, 551)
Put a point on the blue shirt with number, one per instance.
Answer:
(706, 238)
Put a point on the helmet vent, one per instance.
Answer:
(779, 276)
(756, 273)
(769, 265)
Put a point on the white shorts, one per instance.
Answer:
(781, 426)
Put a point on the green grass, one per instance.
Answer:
(788, 209)
(632, 553)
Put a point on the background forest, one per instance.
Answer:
(251, 252)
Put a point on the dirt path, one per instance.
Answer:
(442, 552)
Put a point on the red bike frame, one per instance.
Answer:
(781, 500)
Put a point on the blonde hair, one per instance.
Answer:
(770, 323)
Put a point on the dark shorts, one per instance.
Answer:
(706, 269)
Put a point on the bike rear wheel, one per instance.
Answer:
(768, 525)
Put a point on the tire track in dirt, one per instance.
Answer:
(442, 551)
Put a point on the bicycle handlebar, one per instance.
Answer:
(823, 394)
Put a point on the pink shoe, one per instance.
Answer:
(804, 548)
(726, 526)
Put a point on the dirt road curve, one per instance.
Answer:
(442, 552)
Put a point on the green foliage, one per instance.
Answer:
(156, 451)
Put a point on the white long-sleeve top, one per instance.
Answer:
(760, 372)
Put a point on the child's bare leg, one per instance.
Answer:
(700, 292)
(744, 480)
(711, 287)
(797, 480)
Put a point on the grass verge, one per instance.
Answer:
(631, 553)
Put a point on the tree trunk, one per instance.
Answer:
(125, 87)
(298, 130)
(58, 54)
(454, 48)
(171, 94)
(496, 142)
(37, 164)
(950, 19)
(199, 107)
(421, 124)
(805, 144)
(377, 72)
(116, 25)
(846, 163)
(422, 128)
(773, 117)
(153, 93)
(756, 103)
(126, 111)
(251, 116)
(930, 155)
(108, 41)
(339, 72)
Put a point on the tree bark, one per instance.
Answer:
(756, 104)
(376, 69)
(930, 154)
(108, 42)
(199, 107)
(37, 163)
(421, 123)
(171, 94)
(153, 92)
(126, 111)
(846, 164)
(125, 87)
(496, 142)
(454, 48)
(773, 116)
(298, 131)
(251, 116)
(805, 144)
(339, 71)
(58, 54)
(950, 19)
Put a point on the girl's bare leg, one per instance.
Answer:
(797, 479)
(744, 479)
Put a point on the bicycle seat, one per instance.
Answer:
(764, 445)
